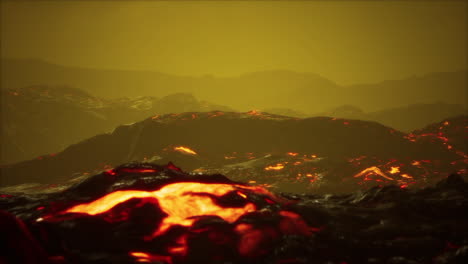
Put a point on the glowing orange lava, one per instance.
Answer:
(394, 170)
(140, 254)
(404, 175)
(182, 202)
(185, 150)
(373, 170)
(150, 258)
(278, 166)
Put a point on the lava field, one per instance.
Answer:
(146, 213)
(248, 188)
(298, 155)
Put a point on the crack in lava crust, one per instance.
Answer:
(182, 202)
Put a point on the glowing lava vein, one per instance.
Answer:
(182, 202)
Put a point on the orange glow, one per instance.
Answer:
(181, 201)
(112, 172)
(278, 166)
(181, 246)
(250, 239)
(293, 154)
(373, 170)
(416, 163)
(446, 123)
(139, 254)
(185, 150)
(242, 194)
(394, 170)
(254, 112)
(293, 223)
(404, 175)
(242, 228)
(146, 257)
(149, 170)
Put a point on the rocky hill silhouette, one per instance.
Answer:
(253, 144)
(41, 119)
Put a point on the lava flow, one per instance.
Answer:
(185, 150)
(278, 166)
(182, 202)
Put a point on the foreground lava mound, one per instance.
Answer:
(145, 213)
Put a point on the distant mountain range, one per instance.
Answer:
(40, 120)
(303, 92)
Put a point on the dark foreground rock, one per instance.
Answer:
(159, 214)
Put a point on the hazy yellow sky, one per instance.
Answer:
(345, 41)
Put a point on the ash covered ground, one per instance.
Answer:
(146, 218)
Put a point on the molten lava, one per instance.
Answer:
(278, 166)
(404, 175)
(373, 170)
(185, 150)
(182, 202)
(147, 257)
(394, 170)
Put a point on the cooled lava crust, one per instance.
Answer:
(145, 213)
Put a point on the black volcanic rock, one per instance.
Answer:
(450, 131)
(380, 225)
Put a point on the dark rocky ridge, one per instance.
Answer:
(214, 134)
